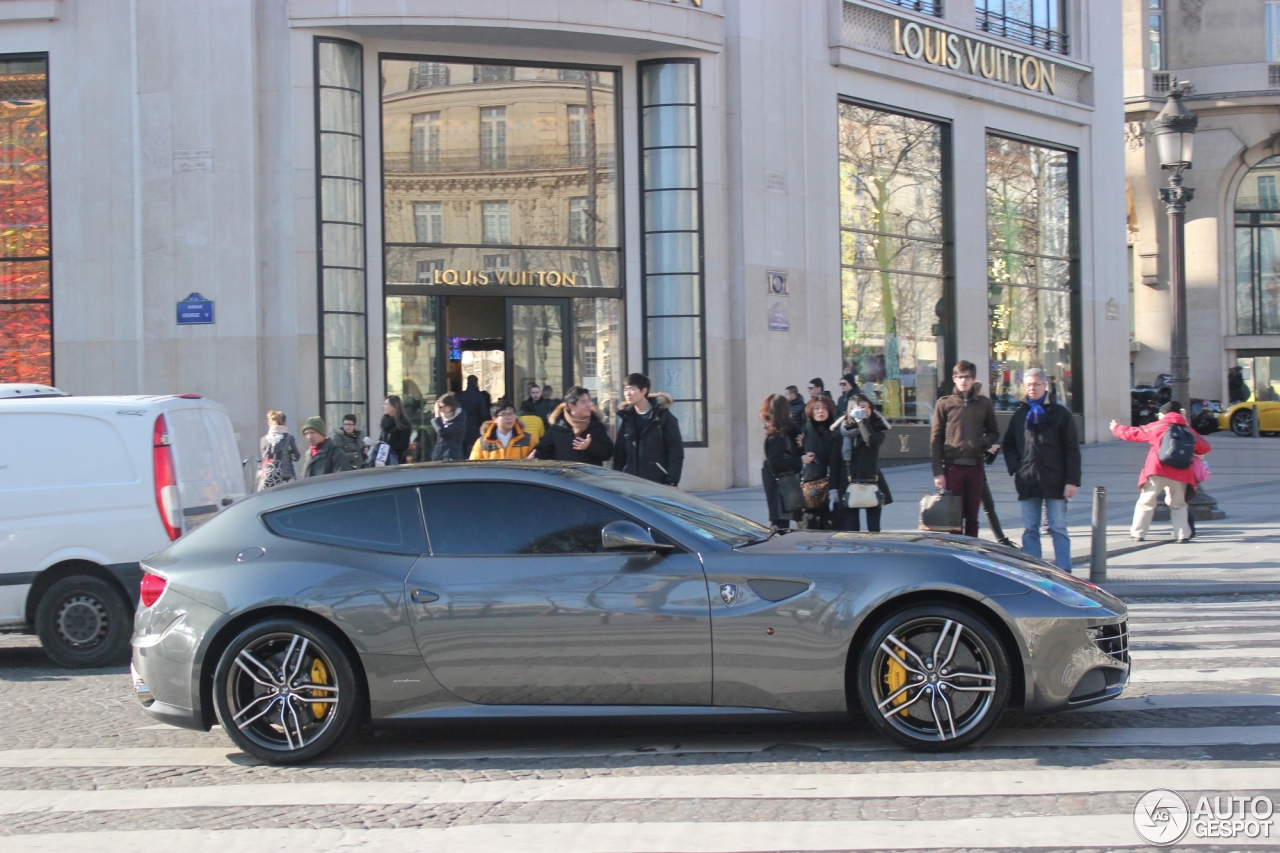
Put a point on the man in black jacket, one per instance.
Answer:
(476, 404)
(1042, 452)
(325, 456)
(536, 404)
(648, 443)
(575, 432)
(796, 403)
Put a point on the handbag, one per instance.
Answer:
(382, 455)
(815, 493)
(790, 493)
(865, 495)
(942, 512)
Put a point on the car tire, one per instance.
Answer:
(1242, 423)
(273, 698)
(972, 679)
(84, 622)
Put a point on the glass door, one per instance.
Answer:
(538, 346)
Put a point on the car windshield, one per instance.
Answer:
(701, 518)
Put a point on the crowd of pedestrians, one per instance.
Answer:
(467, 426)
(821, 467)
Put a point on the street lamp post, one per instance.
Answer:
(1175, 130)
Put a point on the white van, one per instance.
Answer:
(88, 487)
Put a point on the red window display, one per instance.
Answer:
(26, 292)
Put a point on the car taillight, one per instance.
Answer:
(152, 588)
(166, 480)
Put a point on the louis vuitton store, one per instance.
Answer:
(729, 197)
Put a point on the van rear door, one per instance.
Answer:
(226, 456)
(199, 484)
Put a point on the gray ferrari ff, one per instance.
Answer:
(455, 590)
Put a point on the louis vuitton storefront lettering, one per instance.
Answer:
(978, 58)
(504, 278)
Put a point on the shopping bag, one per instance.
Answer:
(942, 513)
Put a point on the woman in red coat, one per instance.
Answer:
(1157, 478)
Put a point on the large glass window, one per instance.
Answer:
(671, 220)
(502, 150)
(1040, 23)
(1258, 251)
(1031, 287)
(340, 174)
(26, 329)
(1272, 13)
(893, 257)
(1155, 35)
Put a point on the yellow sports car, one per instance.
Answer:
(1239, 418)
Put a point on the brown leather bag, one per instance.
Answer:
(815, 493)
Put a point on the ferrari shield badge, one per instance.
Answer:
(729, 592)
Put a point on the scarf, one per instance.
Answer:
(1035, 412)
(450, 417)
(579, 425)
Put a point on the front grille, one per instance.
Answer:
(1112, 641)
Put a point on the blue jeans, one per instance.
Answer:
(1031, 514)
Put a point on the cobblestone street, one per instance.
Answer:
(82, 767)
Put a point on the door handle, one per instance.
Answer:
(421, 596)
(228, 500)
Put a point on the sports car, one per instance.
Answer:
(1239, 418)
(401, 595)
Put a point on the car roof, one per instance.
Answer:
(14, 390)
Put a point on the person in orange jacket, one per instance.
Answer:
(503, 437)
(1157, 477)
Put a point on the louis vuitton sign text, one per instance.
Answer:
(504, 278)
(978, 58)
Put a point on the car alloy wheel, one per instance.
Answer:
(1242, 423)
(285, 691)
(933, 678)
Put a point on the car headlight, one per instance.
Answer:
(1053, 589)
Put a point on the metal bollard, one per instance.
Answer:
(1098, 550)
(1255, 432)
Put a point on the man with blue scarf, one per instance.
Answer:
(1042, 452)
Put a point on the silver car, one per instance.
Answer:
(459, 590)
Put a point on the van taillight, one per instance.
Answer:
(166, 480)
(152, 588)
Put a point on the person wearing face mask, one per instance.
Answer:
(504, 437)
(861, 432)
(1042, 453)
(575, 432)
(964, 427)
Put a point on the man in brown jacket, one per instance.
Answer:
(964, 426)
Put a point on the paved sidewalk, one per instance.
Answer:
(1240, 553)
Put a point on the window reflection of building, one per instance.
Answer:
(26, 333)
(1031, 271)
(892, 256)
(497, 222)
(424, 75)
(493, 138)
(425, 144)
(1257, 227)
(428, 221)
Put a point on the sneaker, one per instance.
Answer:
(1137, 538)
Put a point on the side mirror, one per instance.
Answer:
(629, 536)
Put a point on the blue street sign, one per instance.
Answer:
(195, 309)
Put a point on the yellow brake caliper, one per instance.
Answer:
(320, 675)
(894, 678)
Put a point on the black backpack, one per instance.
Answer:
(1177, 447)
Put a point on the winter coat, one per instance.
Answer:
(859, 442)
(1043, 460)
(542, 408)
(488, 446)
(329, 459)
(396, 436)
(797, 414)
(352, 445)
(558, 442)
(650, 447)
(535, 426)
(475, 403)
(818, 440)
(1152, 433)
(278, 449)
(962, 430)
(780, 457)
(449, 438)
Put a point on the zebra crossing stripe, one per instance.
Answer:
(1207, 674)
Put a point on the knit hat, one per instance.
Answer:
(314, 422)
(1171, 406)
(851, 379)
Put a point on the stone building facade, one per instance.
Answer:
(1229, 52)
(733, 196)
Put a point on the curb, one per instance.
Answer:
(1186, 589)
(1083, 559)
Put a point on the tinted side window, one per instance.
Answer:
(386, 521)
(512, 518)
